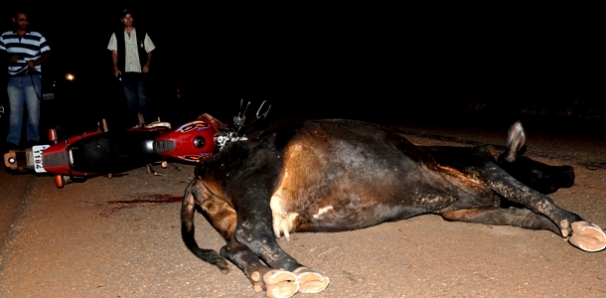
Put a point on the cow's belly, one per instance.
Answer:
(340, 203)
(337, 184)
(344, 218)
(349, 212)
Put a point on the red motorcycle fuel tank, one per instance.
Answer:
(190, 142)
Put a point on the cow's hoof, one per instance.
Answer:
(587, 236)
(280, 284)
(311, 281)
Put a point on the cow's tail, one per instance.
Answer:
(188, 209)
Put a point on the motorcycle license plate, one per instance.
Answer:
(37, 154)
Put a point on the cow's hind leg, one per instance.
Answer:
(523, 218)
(585, 236)
(579, 232)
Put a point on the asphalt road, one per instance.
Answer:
(120, 237)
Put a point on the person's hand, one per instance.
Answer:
(31, 64)
(117, 72)
(145, 68)
(14, 58)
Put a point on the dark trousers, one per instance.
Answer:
(133, 84)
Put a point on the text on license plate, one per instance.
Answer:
(37, 152)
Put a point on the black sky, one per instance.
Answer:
(340, 54)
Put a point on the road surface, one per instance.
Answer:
(120, 237)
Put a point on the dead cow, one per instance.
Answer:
(337, 175)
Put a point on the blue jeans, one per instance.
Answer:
(133, 84)
(24, 90)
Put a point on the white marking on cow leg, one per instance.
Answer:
(282, 222)
(322, 211)
(276, 213)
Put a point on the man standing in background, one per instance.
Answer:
(26, 50)
(131, 56)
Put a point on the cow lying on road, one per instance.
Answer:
(337, 175)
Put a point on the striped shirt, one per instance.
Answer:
(28, 47)
(132, 54)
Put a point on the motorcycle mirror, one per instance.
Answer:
(261, 107)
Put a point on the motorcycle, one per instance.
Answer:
(105, 152)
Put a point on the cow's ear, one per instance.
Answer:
(516, 139)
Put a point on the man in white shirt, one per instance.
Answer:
(131, 56)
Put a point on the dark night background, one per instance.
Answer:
(380, 63)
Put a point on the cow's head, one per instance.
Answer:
(542, 177)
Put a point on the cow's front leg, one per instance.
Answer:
(223, 217)
(580, 233)
(276, 283)
(255, 231)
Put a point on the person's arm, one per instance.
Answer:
(44, 54)
(149, 47)
(43, 58)
(117, 71)
(113, 46)
(12, 58)
(145, 68)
